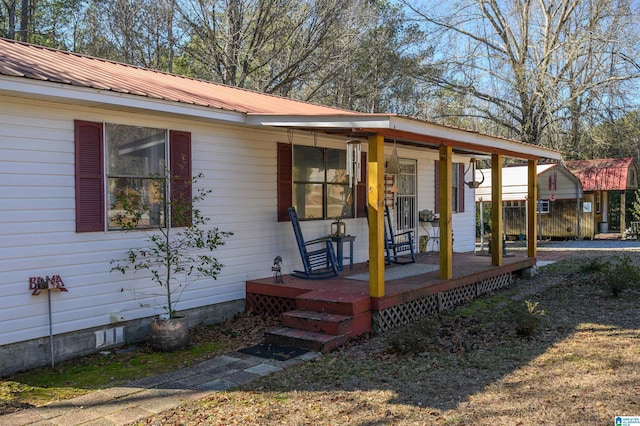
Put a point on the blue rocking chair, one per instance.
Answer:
(395, 244)
(319, 263)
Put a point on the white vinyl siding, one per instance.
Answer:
(37, 229)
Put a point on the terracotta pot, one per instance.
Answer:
(169, 334)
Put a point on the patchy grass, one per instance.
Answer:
(467, 366)
(80, 376)
(481, 307)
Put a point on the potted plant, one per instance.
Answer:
(175, 256)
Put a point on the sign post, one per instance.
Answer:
(36, 285)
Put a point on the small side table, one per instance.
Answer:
(340, 251)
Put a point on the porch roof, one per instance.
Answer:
(43, 73)
(408, 131)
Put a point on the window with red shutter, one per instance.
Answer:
(285, 183)
(133, 173)
(89, 176)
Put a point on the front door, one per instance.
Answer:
(406, 199)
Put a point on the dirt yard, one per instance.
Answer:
(571, 355)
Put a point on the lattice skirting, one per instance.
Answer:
(405, 313)
(270, 305)
(494, 283)
(450, 298)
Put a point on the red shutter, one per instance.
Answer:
(361, 188)
(181, 177)
(285, 180)
(436, 207)
(89, 176)
(461, 186)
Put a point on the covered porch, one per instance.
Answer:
(344, 307)
(323, 314)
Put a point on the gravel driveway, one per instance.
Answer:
(559, 250)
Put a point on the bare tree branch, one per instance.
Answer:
(535, 66)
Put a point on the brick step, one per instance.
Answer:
(334, 302)
(319, 342)
(270, 289)
(324, 322)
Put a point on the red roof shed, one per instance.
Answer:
(605, 174)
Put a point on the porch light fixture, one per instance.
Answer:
(354, 162)
(474, 183)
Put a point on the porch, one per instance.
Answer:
(323, 314)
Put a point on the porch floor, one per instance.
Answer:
(468, 268)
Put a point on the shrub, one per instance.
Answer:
(406, 344)
(423, 332)
(620, 275)
(594, 265)
(527, 318)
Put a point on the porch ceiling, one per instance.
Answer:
(407, 131)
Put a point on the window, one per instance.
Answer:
(457, 186)
(320, 186)
(543, 206)
(136, 165)
(135, 157)
(598, 201)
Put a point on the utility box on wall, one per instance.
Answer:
(109, 337)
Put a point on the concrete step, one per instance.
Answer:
(324, 322)
(319, 342)
(608, 236)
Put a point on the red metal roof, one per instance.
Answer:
(42, 64)
(606, 174)
(45, 64)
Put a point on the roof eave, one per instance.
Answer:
(59, 92)
(322, 122)
(420, 132)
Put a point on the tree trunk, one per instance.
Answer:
(24, 21)
(10, 6)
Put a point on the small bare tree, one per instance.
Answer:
(174, 256)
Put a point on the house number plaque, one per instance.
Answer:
(37, 284)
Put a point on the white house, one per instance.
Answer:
(70, 126)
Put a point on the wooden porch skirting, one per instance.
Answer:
(270, 305)
(404, 313)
